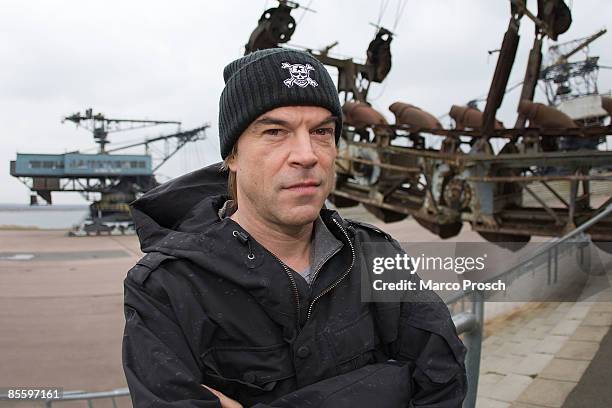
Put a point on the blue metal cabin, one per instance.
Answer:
(81, 165)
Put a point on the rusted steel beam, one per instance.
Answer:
(560, 159)
(428, 171)
(503, 67)
(554, 192)
(532, 74)
(544, 205)
(538, 213)
(410, 201)
(572, 207)
(408, 150)
(367, 200)
(381, 165)
(526, 215)
(588, 132)
(582, 155)
(538, 178)
(544, 230)
(393, 187)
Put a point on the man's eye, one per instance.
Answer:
(324, 131)
(273, 132)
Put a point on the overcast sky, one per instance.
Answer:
(163, 60)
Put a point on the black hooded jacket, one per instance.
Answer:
(209, 305)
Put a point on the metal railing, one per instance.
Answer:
(471, 323)
(74, 395)
(89, 397)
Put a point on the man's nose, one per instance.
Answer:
(302, 151)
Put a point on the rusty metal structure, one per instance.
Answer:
(108, 179)
(388, 168)
(571, 87)
(566, 80)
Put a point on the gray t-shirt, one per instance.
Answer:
(306, 274)
(322, 247)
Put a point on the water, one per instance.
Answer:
(44, 217)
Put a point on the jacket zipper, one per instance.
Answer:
(327, 258)
(245, 240)
(329, 288)
(333, 285)
(296, 293)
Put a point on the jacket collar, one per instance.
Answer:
(217, 248)
(323, 243)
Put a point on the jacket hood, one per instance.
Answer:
(171, 207)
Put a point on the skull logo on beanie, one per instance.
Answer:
(258, 83)
(300, 75)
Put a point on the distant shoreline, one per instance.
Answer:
(54, 207)
(19, 228)
(24, 217)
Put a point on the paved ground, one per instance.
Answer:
(594, 389)
(537, 357)
(62, 316)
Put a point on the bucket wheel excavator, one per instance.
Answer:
(445, 178)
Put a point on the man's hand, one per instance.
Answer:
(226, 402)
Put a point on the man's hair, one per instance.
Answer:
(231, 178)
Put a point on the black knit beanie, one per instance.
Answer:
(268, 79)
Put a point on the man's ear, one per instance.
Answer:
(231, 162)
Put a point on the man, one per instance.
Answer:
(255, 299)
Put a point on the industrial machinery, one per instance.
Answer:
(117, 179)
(538, 183)
(571, 87)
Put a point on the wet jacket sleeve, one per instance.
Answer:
(420, 330)
(427, 336)
(380, 385)
(160, 368)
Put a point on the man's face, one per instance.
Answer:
(285, 164)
